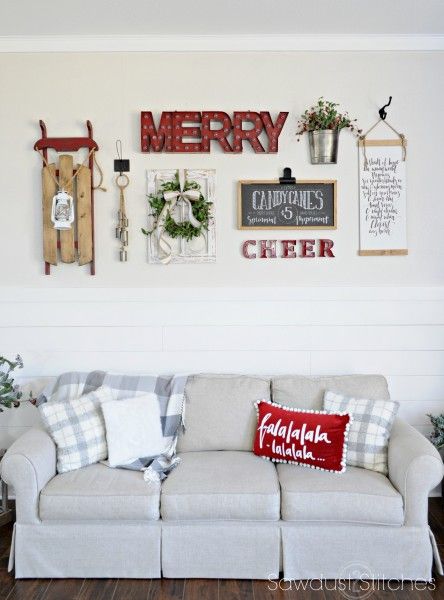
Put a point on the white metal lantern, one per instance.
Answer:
(62, 212)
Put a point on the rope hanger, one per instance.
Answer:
(382, 119)
(92, 153)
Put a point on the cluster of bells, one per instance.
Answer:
(122, 235)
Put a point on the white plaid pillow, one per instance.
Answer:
(78, 429)
(369, 431)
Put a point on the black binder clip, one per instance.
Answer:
(121, 165)
(287, 177)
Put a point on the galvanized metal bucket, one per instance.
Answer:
(323, 146)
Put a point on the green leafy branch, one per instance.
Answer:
(437, 436)
(10, 394)
(325, 115)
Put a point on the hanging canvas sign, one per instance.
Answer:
(181, 226)
(382, 197)
(193, 131)
(273, 205)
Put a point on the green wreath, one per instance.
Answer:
(201, 211)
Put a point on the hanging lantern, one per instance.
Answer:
(62, 213)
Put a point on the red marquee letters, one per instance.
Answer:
(173, 135)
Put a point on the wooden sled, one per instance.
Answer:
(77, 243)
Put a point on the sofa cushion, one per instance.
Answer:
(297, 391)
(98, 492)
(220, 412)
(356, 496)
(221, 485)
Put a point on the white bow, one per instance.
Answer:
(171, 199)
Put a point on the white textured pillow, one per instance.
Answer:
(133, 429)
(369, 430)
(78, 429)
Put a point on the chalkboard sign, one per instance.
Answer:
(301, 205)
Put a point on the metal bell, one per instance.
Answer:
(124, 237)
(123, 255)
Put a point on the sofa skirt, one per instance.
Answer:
(225, 550)
(333, 551)
(87, 550)
(221, 550)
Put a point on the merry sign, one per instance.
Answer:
(191, 131)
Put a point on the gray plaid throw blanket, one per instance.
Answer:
(168, 391)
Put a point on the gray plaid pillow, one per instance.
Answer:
(369, 431)
(78, 429)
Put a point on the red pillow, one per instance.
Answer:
(312, 438)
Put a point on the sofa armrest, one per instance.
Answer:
(28, 465)
(415, 468)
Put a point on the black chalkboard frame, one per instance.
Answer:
(265, 182)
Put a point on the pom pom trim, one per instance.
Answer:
(316, 412)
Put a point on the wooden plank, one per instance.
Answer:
(383, 252)
(236, 589)
(52, 363)
(165, 589)
(66, 589)
(29, 589)
(84, 217)
(67, 249)
(391, 362)
(99, 339)
(130, 589)
(395, 142)
(201, 589)
(111, 313)
(288, 337)
(7, 581)
(209, 294)
(98, 589)
(49, 189)
(273, 590)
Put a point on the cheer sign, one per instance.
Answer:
(301, 205)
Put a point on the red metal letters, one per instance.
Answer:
(191, 131)
(321, 248)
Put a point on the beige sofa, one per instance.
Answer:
(224, 512)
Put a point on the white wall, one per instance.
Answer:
(347, 315)
(112, 89)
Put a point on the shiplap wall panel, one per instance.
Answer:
(87, 339)
(132, 313)
(416, 387)
(394, 362)
(310, 331)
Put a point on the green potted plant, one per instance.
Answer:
(10, 394)
(437, 435)
(323, 123)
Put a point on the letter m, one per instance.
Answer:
(156, 139)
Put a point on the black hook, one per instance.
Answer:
(382, 111)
